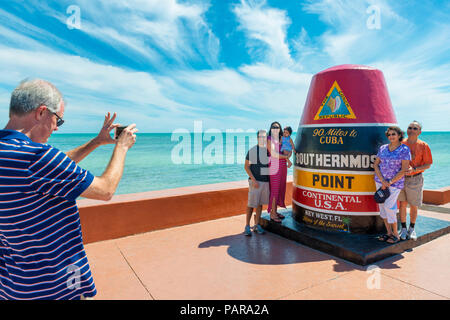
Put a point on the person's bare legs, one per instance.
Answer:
(273, 211)
(412, 214)
(258, 214)
(403, 207)
(388, 227)
(249, 216)
(394, 232)
(412, 218)
(257, 226)
(394, 229)
(287, 153)
(413, 211)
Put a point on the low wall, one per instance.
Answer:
(135, 213)
(437, 197)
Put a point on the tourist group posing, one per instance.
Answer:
(266, 165)
(398, 168)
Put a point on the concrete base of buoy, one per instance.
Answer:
(362, 249)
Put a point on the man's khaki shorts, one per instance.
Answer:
(413, 190)
(258, 196)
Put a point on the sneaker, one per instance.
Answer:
(259, 229)
(412, 234)
(247, 231)
(403, 234)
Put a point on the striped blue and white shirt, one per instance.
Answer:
(41, 247)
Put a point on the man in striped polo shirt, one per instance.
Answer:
(41, 248)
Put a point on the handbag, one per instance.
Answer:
(381, 195)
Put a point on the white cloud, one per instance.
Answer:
(91, 88)
(225, 81)
(257, 90)
(160, 101)
(272, 85)
(340, 47)
(411, 56)
(157, 102)
(348, 37)
(154, 29)
(265, 29)
(276, 75)
(417, 93)
(344, 15)
(16, 32)
(148, 31)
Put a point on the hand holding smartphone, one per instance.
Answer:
(118, 131)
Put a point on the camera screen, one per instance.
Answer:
(119, 131)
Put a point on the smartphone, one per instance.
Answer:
(119, 131)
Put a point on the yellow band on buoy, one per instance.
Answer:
(335, 180)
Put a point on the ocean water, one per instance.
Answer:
(162, 161)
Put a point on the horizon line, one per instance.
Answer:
(295, 132)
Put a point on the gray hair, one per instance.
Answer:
(261, 131)
(418, 123)
(31, 94)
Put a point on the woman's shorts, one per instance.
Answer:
(388, 209)
(258, 196)
(413, 190)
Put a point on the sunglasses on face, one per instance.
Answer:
(391, 134)
(59, 120)
(413, 128)
(274, 127)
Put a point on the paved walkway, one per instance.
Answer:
(214, 260)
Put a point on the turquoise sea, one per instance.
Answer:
(156, 162)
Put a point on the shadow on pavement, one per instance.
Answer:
(269, 249)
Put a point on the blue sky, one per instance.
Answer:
(231, 64)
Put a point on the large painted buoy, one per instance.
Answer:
(346, 114)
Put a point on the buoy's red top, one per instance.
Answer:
(348, 94)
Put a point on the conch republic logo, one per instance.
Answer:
(335, 105)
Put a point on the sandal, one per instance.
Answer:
(275, 220)
(280, 216)
(393, 239)
(384, 237)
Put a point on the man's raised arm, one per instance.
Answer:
(104, 187)
(102, 138)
